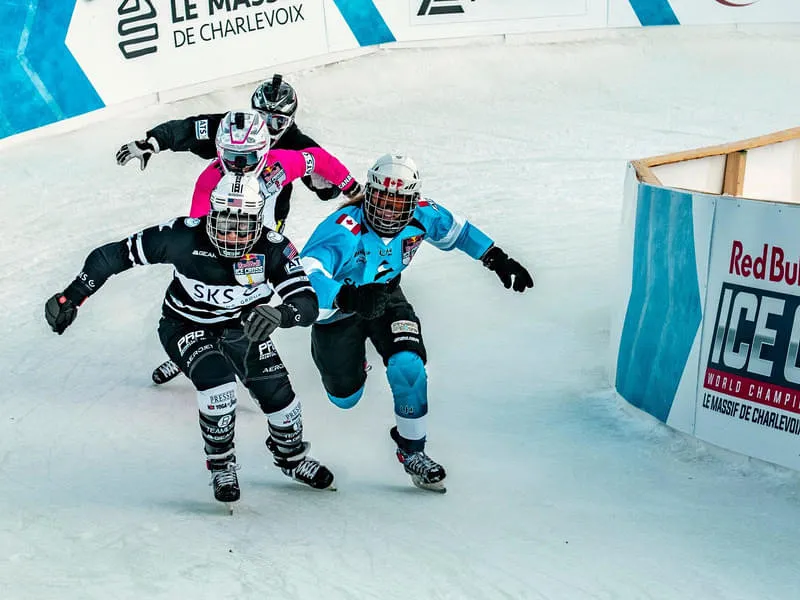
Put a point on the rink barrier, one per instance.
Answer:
(65, 59)
(707, 338)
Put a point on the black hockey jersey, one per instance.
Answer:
(207, 288)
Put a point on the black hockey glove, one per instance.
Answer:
(508, 270)
(323, 188)
(141, 149)
(263, 320)
(368, 301)
(61, 309)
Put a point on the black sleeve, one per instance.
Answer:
(193, 134)
(151, 245)
(291, 283)
(294, 139)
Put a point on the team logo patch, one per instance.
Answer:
(273, 178)
(294, 266)
(405, 327)
(201, 129)
(250, 270)
(349, 223)
(309, 162)
(274, 237)
(191, 222)
(410, 247)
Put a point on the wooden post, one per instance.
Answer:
(733, 181)
(645, 173)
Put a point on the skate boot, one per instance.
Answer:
(301, 467)
(166, 371)
(223, 476)
(425, 472)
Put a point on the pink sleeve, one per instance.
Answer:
(201, 198)
(297, 163)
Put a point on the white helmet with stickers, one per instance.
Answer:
(235, 222)
(391, 194)
(243, 141)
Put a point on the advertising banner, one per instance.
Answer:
(129, 48)
(431, 12)
(749, 390)
(626, 13)
(699, 12)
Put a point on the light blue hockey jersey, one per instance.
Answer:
(342, 249)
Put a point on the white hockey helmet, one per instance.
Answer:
(391, 194)
(243, 141)
(236, 219)
(277, 101)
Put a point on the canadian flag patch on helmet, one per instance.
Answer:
(349, 223)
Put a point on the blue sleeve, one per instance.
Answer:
(447, 231)
(324, 255)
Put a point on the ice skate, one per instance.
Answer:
(425, 472)
(166, 371)
(223, 469)
(301, 467)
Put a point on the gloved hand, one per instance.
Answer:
(141, 149)
(368, 301)
(323, 188)
(508, 270)
(61, 309)
(261, 322)
(60, 312)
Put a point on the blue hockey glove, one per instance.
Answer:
(368, 301)
(508, 270)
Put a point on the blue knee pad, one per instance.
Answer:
(348, 402)
(409, 382)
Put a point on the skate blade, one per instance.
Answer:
(437, 487)
(229, 506)
(331, 488)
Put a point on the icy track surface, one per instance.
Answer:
(556, 489)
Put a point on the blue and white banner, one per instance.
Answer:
(626, 13)
(64, 58)
(41, 80)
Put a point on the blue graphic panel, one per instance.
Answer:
(365, 21)
(664, 309)
(41, 81)
(654, 12)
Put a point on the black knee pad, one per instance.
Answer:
(209, 370)
(343, 386)
(272, 394)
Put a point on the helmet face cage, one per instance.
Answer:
(221, 226)
(243, 141)
(388, 212)
(235, 222)
(277, 101)
(391, 194)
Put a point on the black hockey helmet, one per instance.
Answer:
(277, 101)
